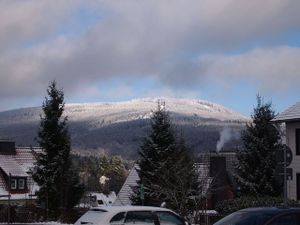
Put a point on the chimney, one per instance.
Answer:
(7, 147)
(217, 166)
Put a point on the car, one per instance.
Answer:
(263, 216)
(129, 215)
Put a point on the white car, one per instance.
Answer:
(124, 215)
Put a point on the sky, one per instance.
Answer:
(223, 51)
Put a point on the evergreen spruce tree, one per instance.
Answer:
(166, 169)
(54, 172)
(185, 188)
(257, 160)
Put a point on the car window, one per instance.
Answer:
(290, 219)
(168, 218)
(139, 217)
(118, 218)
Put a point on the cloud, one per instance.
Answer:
(24, 22)
(274, 69)
(182, 45)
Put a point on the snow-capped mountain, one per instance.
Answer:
(119, 127)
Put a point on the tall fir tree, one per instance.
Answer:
(166, 169)
(54, 172)
(257, 160)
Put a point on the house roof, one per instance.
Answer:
(10, 166)
(203, 176)
(18, 164)
(123, 197)
(26, 157)
(290, 114)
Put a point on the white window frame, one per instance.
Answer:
(13, 184)
(21, 185)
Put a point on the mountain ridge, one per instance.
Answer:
(119, 127)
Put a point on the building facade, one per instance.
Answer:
(291, 119)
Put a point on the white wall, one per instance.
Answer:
(291, 142)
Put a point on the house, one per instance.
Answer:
(16, 183)
(214, 170)
(291, 118)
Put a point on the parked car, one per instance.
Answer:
(263, 216)
(124, 215)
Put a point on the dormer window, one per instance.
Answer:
(13, 184)
(17, 184)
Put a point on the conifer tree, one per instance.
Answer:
(165, 167)
(54, 172)
(257, 160)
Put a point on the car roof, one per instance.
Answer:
(103, 214)
(128, 208)
(271, 209)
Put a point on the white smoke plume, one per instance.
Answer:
(226, 135)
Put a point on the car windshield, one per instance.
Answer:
(246, 218)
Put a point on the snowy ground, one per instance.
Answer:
(40, 223)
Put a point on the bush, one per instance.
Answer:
(232, 205)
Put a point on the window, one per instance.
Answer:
(168, 218)
(13, 184)
(117, 219)
(100, 202)
(140, 217)
(297, 141)
(298, 186)
(21, 184)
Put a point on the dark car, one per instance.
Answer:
(263, 216)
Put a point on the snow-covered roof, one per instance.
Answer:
(203, 176)
(290, 114)
(18, 164)
(10, 166)
(26, 156)
(123, 197)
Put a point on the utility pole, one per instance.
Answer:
(142, 193)
(47, 203)
(284, 175)
(9, 186)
